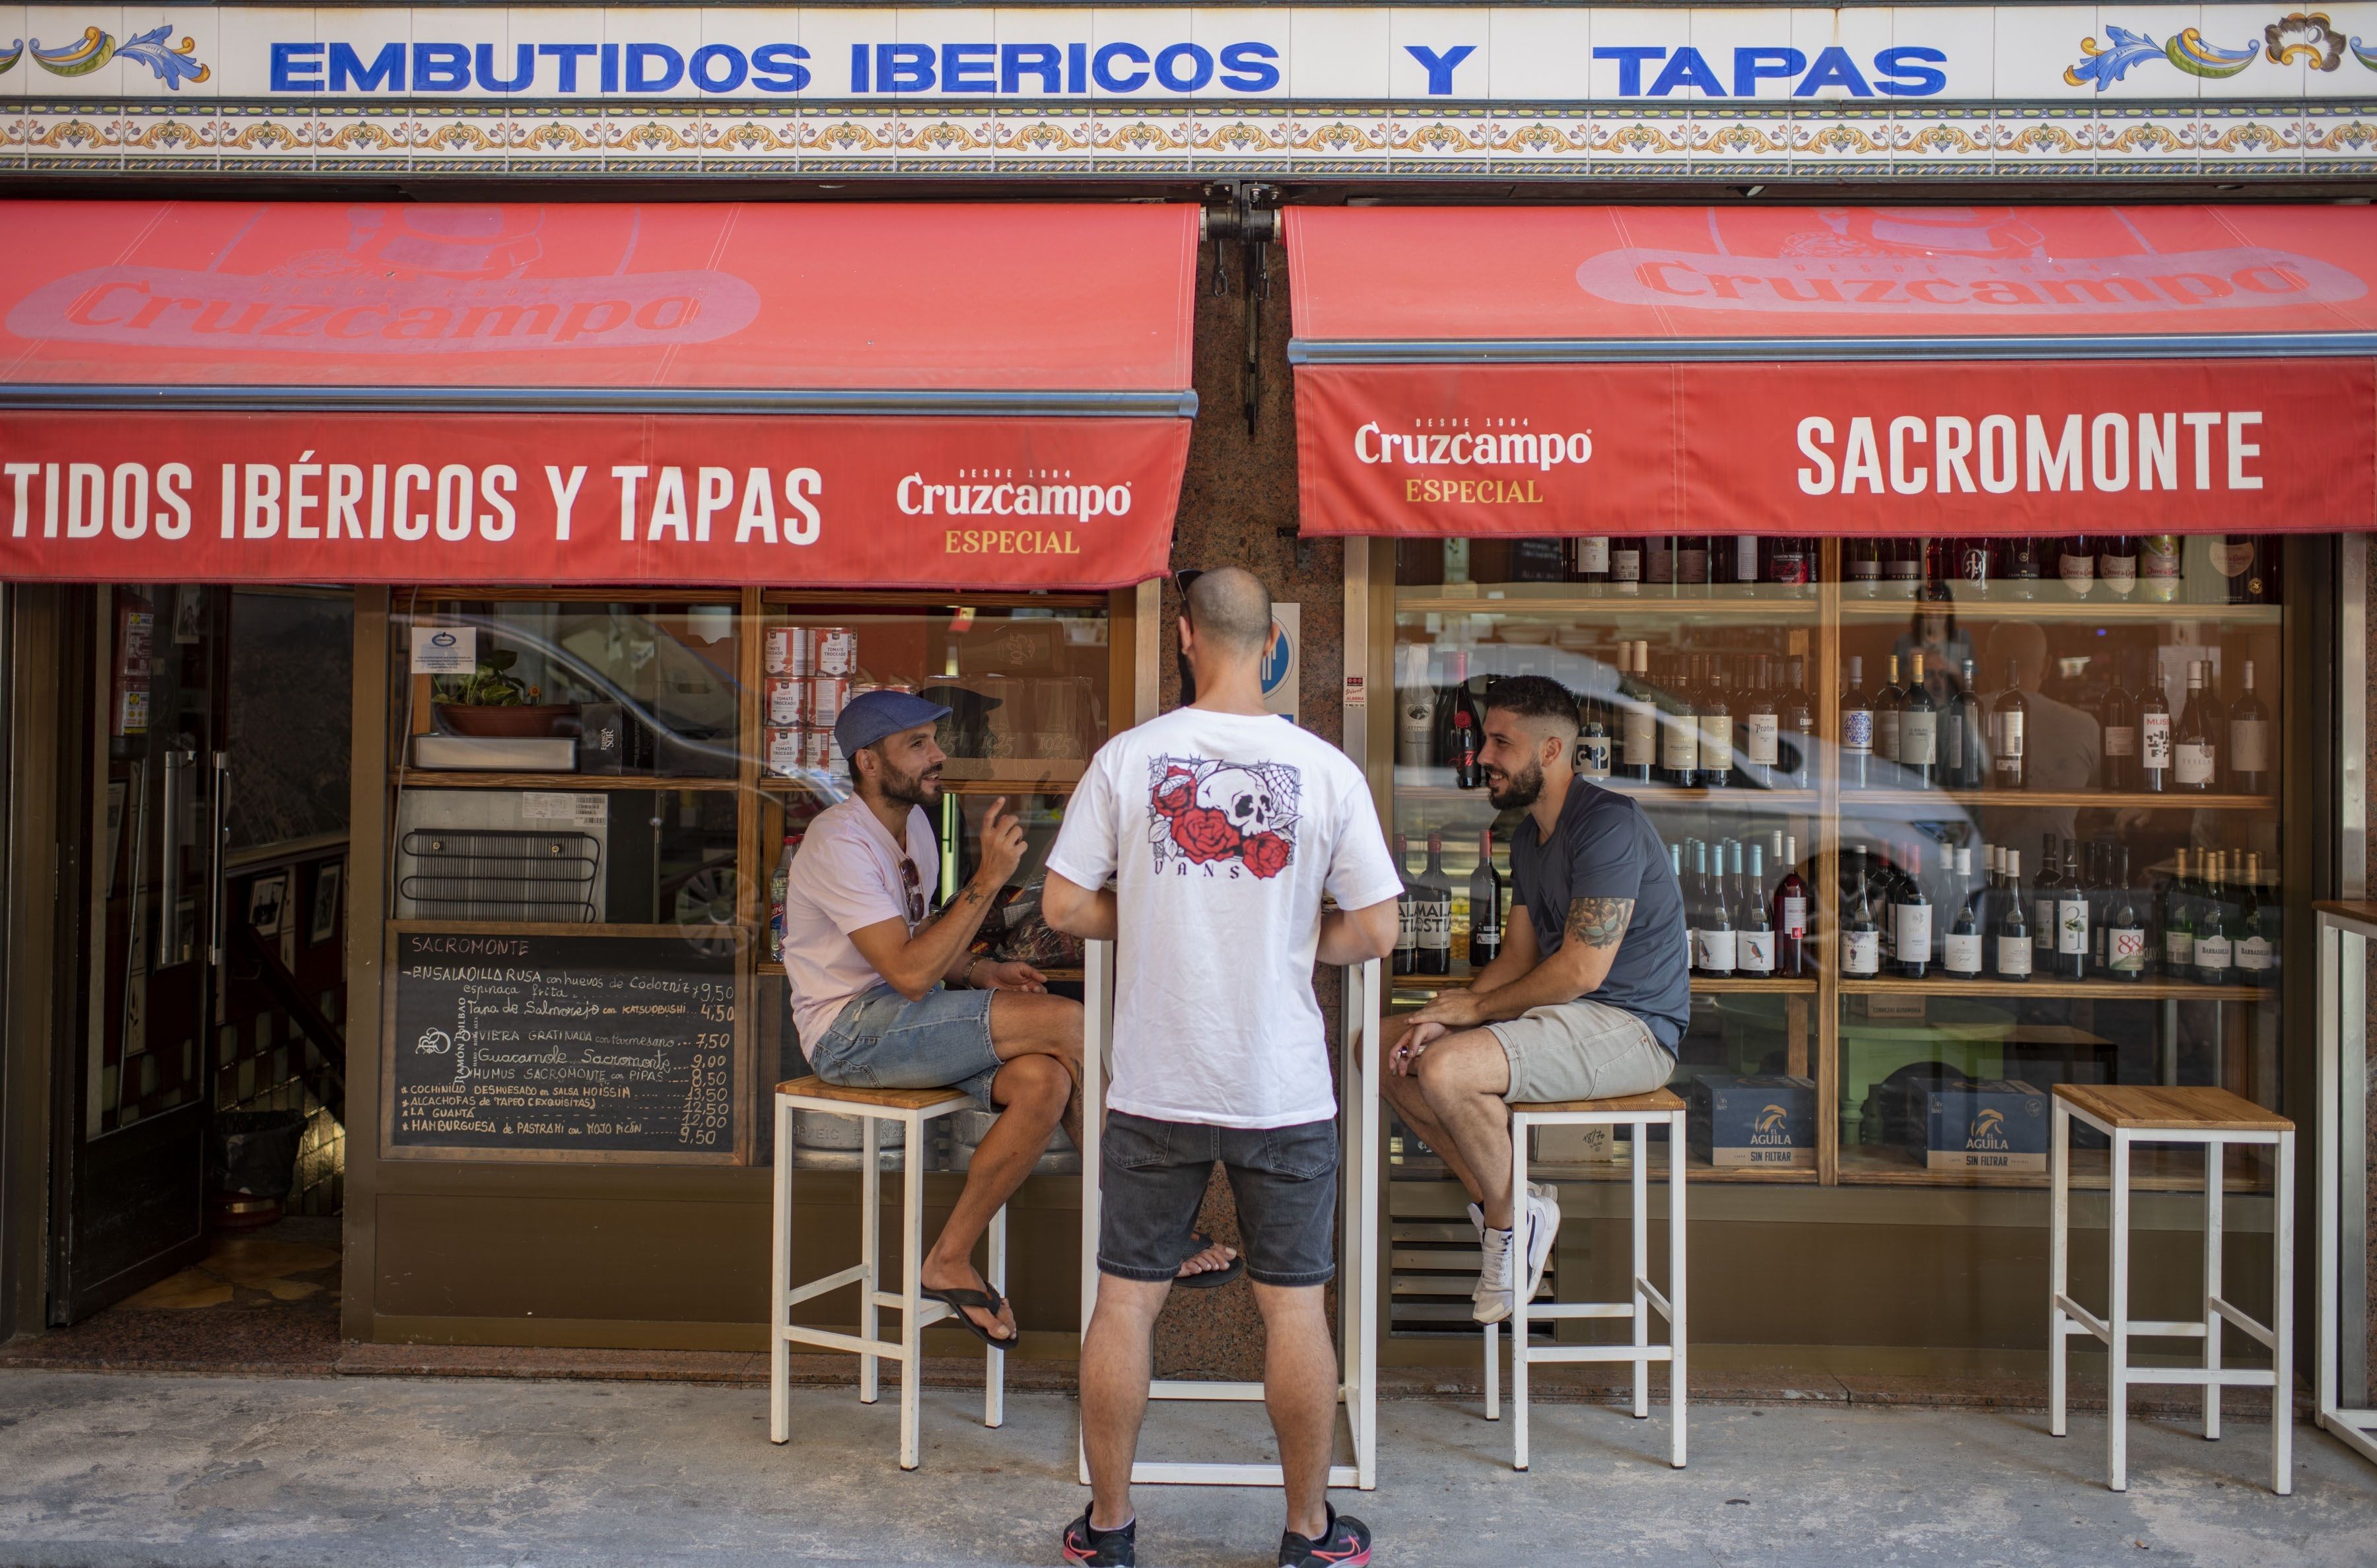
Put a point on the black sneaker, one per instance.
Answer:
(1344, 1544)
(1093, 1547)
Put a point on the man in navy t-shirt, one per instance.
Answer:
(1588, 1000)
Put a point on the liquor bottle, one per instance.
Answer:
(2248, 741)
(1638, 722)
(1691, 565)
(2214, 951)
(2194, 748)
(2072, 918)
(1856, 730)
(1960, 955)
(1415, 706)
(2009, 719)
(1626, 567)
(1593, 750)
(2096, 866)
(1861, 568)
(1965, 751)
(1445, 747)
(1797, 745)
(2159, 567)
(1485, 905)
(2125, 929)
(1910, 912)
(2154, 738)
(2013, 944)
(2259, 582)
(2257, 949)
(2117, 564)
(2117, 718)
(1862, 941)
(1889, 704)
(1902, 566)
(2243, 562)
(1790, 565)
(2178, 922)
(1790, 904)
(1680, 735)
(2042, 901)
(1712, 711)
(1589, 562)
(1713, 941)
(1973, 563)
(2023, 567)
(1467, 738)
(2077, 564)
(1659, 565)
(1762, 728)
(1407, 959)
(1918, 733)
(1754, 941)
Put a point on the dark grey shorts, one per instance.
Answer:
(1154, 1179)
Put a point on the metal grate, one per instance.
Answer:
(490, 874)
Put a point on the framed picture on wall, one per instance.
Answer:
(268, 899)
(329, 884)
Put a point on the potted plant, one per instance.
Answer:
(488, 701)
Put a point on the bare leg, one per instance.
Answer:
(1464, 1077)
(1117, 1358)
(1030, 1091)
(1403, 1092)
(1300, 1392)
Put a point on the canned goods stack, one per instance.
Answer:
(809, 674)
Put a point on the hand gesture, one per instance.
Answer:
(1403, 1060)
(1002, 845)
(1015, 975)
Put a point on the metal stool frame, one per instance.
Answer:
(2341, 1141)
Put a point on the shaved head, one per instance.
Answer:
(1230, 608)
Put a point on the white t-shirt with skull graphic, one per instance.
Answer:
(1222, 832)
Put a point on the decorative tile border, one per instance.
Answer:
(1714, 140)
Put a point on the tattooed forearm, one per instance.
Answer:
(1599, 922)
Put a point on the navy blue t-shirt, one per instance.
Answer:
(1605, 847)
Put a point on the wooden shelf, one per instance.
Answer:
(1649, 795)
(2094, 608)
(1702, 985)
(464, 778)
(920, 602)
(1696, 1171)
(2045, 989)
(2151, 1170)
(1570, 601)
(779, 785)
(2175, 800)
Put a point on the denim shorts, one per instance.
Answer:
(1580, 1051)
(881, 1040)
(1152, 1180)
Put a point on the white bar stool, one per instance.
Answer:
(911, 1109)
(1639, 1112)
(2215, 1119)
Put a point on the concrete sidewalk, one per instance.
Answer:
(105, 1469)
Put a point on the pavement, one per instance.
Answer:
(104, 1470)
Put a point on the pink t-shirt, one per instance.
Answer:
(847, 876)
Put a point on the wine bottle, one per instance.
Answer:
(1974, 562)
(2236, 557)
(1902, 568)
(2248, 741)
(2117, 717)
(1713, 943)
(2177, 922)
(1797, 745)
(2014, 945)
(1485, 905)
(1789, 565)
(2023, 567)
(1626, 567)
(2195, 754)
(1862, 941)
(1762, 728)
(1960, 766)
(2072, 918)
(2125, 929)
(2077, 564)
(1888, 706)
(1790, 904)
(1415, 706)
(2042, 902)
(1754, 945)
(2117, 564)
(2154, 738)
(1638, 754)
(1712, 708)
(1861, 567)
(1431, 895)
(1691, 565)
(1589, 563)
(1856, 730)
(2257, 950)
(1919, 731)
(1593, 751)
(1659, 565)
(2011, 713)
(2159, 567)
(1680, 735)
(1960, 955)
(1467, 738)
(2213, 952)
(1407, 959)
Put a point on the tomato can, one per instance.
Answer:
(828, 695)
(816, 748)
(784, 751)
(778, 647)
(788, 701)
(837, 650)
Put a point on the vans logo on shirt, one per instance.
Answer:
(1222, 816)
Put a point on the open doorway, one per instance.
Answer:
(197, 1147)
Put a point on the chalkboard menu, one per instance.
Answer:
(595, 1043)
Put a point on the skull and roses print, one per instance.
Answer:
(1222, 833)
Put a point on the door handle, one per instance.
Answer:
(219, 833)
(180, 764)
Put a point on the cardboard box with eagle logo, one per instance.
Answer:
(1998, 1125)
(1764, 1120)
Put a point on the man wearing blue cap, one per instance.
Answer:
(883, 998)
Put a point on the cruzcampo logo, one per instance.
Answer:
(172, 62)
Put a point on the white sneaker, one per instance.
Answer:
(1477, 1221)
(1543, 1229)
(1490, 1302)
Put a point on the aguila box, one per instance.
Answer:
(1767, 1120)
(1986, 1126)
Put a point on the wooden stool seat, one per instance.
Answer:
(2157, 1109)
(815, 1088)
(1658, 1102)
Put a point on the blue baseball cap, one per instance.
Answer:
(871, 715)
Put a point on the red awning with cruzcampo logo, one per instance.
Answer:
(807, 394)
(1544, 371)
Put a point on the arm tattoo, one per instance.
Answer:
(1599, 922)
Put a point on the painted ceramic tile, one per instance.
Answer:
(1539, 54)
(1436, 55)
(1965, 34)
(245, 36)
(652, 53)
(1336, 54)
(70, 51)
(169, 54)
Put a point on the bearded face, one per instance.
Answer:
(922, 788)
(1514, 792)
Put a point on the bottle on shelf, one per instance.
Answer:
(1762, 728)
(1713, 943)
(2117, 565)
(1456, 561)
(1797, 747)
(1754, 943)
(1593, 750)
(2013, 947)
(1680, 735)
(1468, 736)
(2248, 566)
(1960, 954)
(2195, 753)
(1626, 567)
(2117, 719)
(2248, 741)
(1889, 708)
(1485, 905)
(1713, 712)
(2126, 957)
(2072, 912)
(1911, 920)
(1737, 888)
(2159, 567)
(1588, 563)
(2213, 950)
(1919, 731)
(2009, 719)
(1691, 565)
(1861, 936)
(2154, 738)
(2076, 563)
(1790, 910)
(1406, 958)
(1638, 720)
(2256, 943)
(2024, 568)
(2178, 921)
(1790, 565)
(1856, 730)
(1861, 568)
(2043, 889)
(780, 882)
(1692, 903)
(1963, 746)
(1902, 566)
(1659, 565)
(1972, 563)
(1431, 894)
(1415, 705)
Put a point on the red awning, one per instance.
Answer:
(881, 395)
(1538, 371)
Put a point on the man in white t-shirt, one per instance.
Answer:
(1223, 826)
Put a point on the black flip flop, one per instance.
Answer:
(1212, 1279)
(957, 1297)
